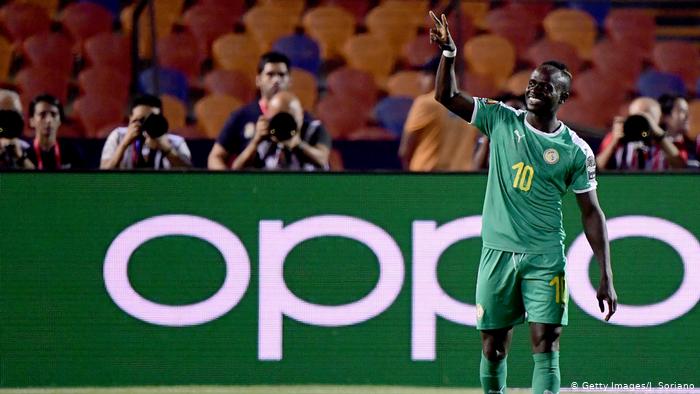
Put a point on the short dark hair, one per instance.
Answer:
(273, 57)
(48, 99)
(562, 68)
(668, 101)
(148, 100)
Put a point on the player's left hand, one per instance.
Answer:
(606, 294)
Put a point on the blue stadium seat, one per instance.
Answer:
(113, 6)
(655, 83)
(391, 113)
(303, 52)
(598, 9)
(170, 82)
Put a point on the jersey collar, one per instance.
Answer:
(542, 133)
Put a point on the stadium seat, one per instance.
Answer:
(694, 118)
(174, 111)
(391, 113)
(408, 84)
(632, 27)
(516, 25)
(50, 50)
(292, 7)
(546, 49)
(84, 20)
(341, 115)
(23, 20)
(6, 56)
(212, 112)
(618, 59)
(305, 87)
(234, 52)
(98, 114)
(180, 51)
(594, 85)
(356, 84)
(302, 51)
(113, 6)
(654, 83)
(231, 83)
(419, 51)
(415, 10)
(517, 82)
(104, 80)
(577, 112)
(330, 26)
(678, 57)
(49, 6)
(268, 24)
(479, 85)
(109, 49)
(357, 8)
(598, 9)
(490, 55)
(234, 8)
(392, 24)
(462, 29)
(477, 11)
(537, 9)
(167, 13)
(207, 23)
(169, 81)
(371, 54)
(35, 80)
(574, 27)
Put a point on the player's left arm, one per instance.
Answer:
(594, 227)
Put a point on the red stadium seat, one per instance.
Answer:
(594, 85)
(545, 50)
(104, 81)
(353, 83)
(632, 27)
(98, 114)
(479, 85)
(85, 20)
(180, 51)
(109, 49)
(234, 8)
(520, 28)
(21, 21)
(596, 114)
(419, 51)
(6, 56)
(232, 83)
(50, 50)
(619, 59)
(207, 23)
(678, 57)
(341, 115)
(36, 80)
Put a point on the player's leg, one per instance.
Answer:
(546, 377)
(499, 307)
(493, 370)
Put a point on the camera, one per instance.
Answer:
(282, 126)
(155, 125)
(637, 129)
(11, 124)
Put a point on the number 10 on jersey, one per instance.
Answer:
(523, 176)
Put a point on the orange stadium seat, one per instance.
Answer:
(519, 27)
(546, 49)
(371, 54)
(619, 59)
(212, 112)
(6, 56)
(419, 51)
(330, 26)
(231, 83)
(237, 52)
(415, 10)
(490, 55)
(476, 10)
(408, 84)
(104, 80)
(292, 7)
(109, 49)
(341, 115)
(358, 8)
(22, 20)
(207, 23)
(180, 51)
(694, 119)
(98, 114)
(574, 27)
(305, 87)
(174, 111)
(50, 50)
(353, 83)
(234, 8)
(632, 27)
(678, 57)
(517, 82)
(84, 20)
(479, 85)
(267, 24)
(394, 24)
(167, 13)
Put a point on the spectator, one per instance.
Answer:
(13, 150)
(145, 143)
(658, 153)
(305, 148)
(434, 139)
(240, 129)
(45, 116)
(675, 120)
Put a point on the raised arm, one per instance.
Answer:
(446, 91)
(597, 235)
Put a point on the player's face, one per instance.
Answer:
(274, 78)
(544, 91)
(46, 120)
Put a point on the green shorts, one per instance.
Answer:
(512, 286)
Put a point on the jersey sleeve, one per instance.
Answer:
(584, 176)
(488, 113)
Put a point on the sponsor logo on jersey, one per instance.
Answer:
(518, 134)
(590, 166)
(551, 156)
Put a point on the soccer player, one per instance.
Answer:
(534, 160)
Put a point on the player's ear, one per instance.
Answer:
(564, 96)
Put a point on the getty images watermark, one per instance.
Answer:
(646, 387)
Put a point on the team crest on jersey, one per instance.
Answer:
(551, 156)
(479, 311)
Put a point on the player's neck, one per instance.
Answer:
(547, 123)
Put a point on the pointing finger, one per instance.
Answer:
(444, 20)
(435, 18)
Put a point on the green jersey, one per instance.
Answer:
(529, 173)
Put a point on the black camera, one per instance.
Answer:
(637, 128)
(11, 124)
(155, 125)
(282, 126)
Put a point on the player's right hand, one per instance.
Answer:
(440, 34)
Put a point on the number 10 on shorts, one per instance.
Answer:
(559, 284)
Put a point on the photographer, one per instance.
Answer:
(48, 153)
(283, 139)
(638, 142)
(13, 150)
(146, 142)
